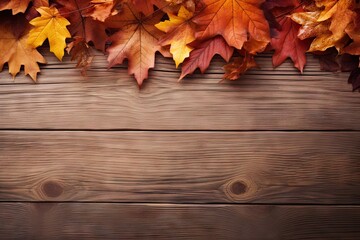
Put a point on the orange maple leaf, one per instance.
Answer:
(17, 6)
(14, 32)
(354, 33)
(137, 40)
(235, 20)
(327, 21)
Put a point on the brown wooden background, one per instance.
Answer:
(275, 155)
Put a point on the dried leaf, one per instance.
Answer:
(15, 51)
(137, 40)
(239, 66)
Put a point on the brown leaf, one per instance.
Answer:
(137, 40)
(81, 25)
(81, 52)
(239, 66)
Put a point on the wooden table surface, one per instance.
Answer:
(275, 155)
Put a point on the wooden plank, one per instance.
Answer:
(111, 99)
(166, 221)
(191, 167)
(278, 105)
(164, 65)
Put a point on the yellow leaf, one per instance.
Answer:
(180, 32)
(52, 26)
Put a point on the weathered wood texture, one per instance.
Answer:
(98, 158)
(260, 167)
(265, 99)
(148, 221)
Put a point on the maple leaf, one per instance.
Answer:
(326, 22)
(235, 20)
(239, 66)
(102, 9)
(83, 26)
(14, 49)
(354, 33)
(137, 40)
(52, 26)
(147, 6)
(180, 32)
(285, 41)
(204, 52)
(81, 52)
(31, 12)
(17, 6)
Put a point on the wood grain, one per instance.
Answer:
(192, 167)
(263, 99)
(167, 221)
(111, 106)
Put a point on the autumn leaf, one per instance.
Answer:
(17, 6)
(180, 32)
(235, 20)
(83, 26)
(137, 40)
(327, 22)
(100, 10)
(14, 49)
(81, 52)
(239, 66)
(147, 6)
(52, 26)
(285, 41)
(202, 55)
(353, 32)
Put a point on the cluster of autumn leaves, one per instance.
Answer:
(192, 32)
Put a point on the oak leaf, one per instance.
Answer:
(204, 52)
(52, 26)
(180, 32)
(14, 49)
(137, 40)
(235, 20)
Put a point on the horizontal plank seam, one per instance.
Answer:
(171, 130)
(188, 204)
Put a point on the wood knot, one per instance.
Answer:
(238, 188)
(52, 189)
